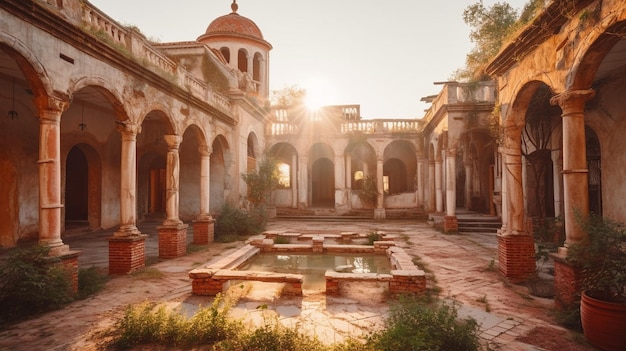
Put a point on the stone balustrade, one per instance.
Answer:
(135, 44)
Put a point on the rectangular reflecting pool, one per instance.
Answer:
(313, 267)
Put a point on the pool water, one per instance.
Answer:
(313, 266)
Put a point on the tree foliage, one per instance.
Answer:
(262, 181)
(288, 96)
(491, 27)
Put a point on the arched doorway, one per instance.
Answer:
(219, 160)
(76, 189)
(157, 188)
(323, 183)
(82, 188)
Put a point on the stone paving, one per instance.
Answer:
(464, 267)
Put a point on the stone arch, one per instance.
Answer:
(286, 157)
(242, 60)
(321, 158)
(585, 71)
(28, 63)
(190, 155)
(105, 87)
(399, 167)
(362, 163)
(152, 162)
(252, 151)
(221, 160)
(225, 51)
(257, 66)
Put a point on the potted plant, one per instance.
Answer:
(602, 263)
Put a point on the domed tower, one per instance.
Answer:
(241, 43)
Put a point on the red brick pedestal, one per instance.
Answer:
(516, 256)
(68, 261)
(203, 231)
(450, 224)
(172, 240)
(566, 278)
(127, 253)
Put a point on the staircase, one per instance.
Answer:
(478, 223)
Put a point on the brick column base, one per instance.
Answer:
(127, 253)
(566, 286)
(516, 257)
(172, 240)
(203, 231)
(68, 261)
(450, 224)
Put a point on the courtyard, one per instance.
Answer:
(463, 266)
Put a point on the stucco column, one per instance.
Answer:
(575, 183)
(128, 179)
(349, 180)
(379, 212)
(504, 215)
(293, 176)
(204, 224)
(451, 183)
(50, 177)
(431, 186)
(127, 245)
(557, 169)
(438, 191)
(303, 181)
(516, 248)
(172, 171)
(420, 182)
(450, 223)
(340, 182)
(50, 220)
(205, 181)
(514, 190)
(173, 232)
(469, 182)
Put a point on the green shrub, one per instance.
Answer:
(420, 324)
(373, 236)
(155, 324)
(281, 240)
(274, 336)
(90, 281)
(232, 222)
(32, 282)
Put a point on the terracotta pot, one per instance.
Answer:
(604, 323)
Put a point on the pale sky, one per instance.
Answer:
(382, 55)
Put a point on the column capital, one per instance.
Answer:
(51, 108)
(573, 100)
(128, 128)
(173, 141)
(205, 151)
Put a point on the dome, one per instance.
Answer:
(234, 24)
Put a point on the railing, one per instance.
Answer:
(139, 47)
(461, 93)
(381, 126)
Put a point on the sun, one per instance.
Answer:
(319, 93)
